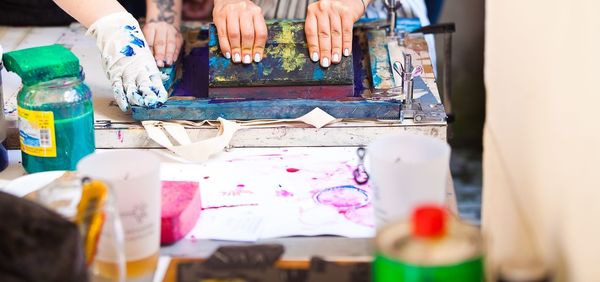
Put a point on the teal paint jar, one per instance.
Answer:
(67, 103)
(56, 117)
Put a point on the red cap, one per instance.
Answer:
(429, 221)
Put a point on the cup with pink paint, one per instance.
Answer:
(406, 170)
(134, 177)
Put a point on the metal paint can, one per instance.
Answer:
(450, 253)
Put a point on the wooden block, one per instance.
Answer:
(286, 62)
(180, 209)
(202, 109)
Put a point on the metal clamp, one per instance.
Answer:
(360, 173)
(413, 108)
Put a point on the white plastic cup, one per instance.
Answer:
(134, 177)
(406, 170)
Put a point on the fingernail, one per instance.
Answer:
(335, 58)
(160, 63)
(315, 57)
(228, 55)
(169, 62)
(237, 58)
(247, 59)
(346, 52)
(257, 58)
(325, 62)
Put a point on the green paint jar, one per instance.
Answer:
(56, 118)
(432, 247)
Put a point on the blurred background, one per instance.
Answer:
(468, 101)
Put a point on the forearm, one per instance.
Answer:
(164, 11)
(88, 11)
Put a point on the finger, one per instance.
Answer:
(221, 24)
(233, 33)
(148, 92)
(131, 92)
(171, 45)
(247, 32)
(347, 26)
(119, 92)
(260, 37)
(312, 37)
(335, 21)
(149, 32)
(324, 39)
(158, 88)
(160, 47)
(179, 40)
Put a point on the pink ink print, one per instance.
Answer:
(236, 192)
(206, 177)
(292, 170)
(343, 198)
(284, 193)
(270, 155)
(120, 136)
(241, 186)
(363, 216)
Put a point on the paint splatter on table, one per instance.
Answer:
(282, 192)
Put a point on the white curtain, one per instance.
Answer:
(542, 135)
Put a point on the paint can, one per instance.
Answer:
(432, 247)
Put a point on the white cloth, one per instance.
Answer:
(541, 190)
(128, 62)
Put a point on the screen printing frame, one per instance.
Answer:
(115, 129)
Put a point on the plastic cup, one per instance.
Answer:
(406, 170)
(134, 177)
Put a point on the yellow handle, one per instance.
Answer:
(90, 215)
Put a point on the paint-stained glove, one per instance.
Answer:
(128, 62)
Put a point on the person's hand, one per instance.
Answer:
(128, 62)
(328, 29)
(242, 30)
(164, 40)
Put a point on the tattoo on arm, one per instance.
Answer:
(166, 13)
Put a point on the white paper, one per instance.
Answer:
(250, 194)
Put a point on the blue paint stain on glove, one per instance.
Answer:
(130, 27)
(137, 41)
(127, 51)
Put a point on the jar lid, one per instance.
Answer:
(44, 63)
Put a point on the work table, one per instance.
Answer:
(117, 130)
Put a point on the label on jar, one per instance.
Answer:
(36, 133)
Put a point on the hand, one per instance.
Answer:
(165, 40)
(242, 30)
(128, 61)
(328, 29)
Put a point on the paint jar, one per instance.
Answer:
(406, 170)
(56, 118)
(91, 205)
(134, 177)
(432, 246)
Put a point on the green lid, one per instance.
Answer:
(39, 64)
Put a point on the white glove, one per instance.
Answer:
(128, 62)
